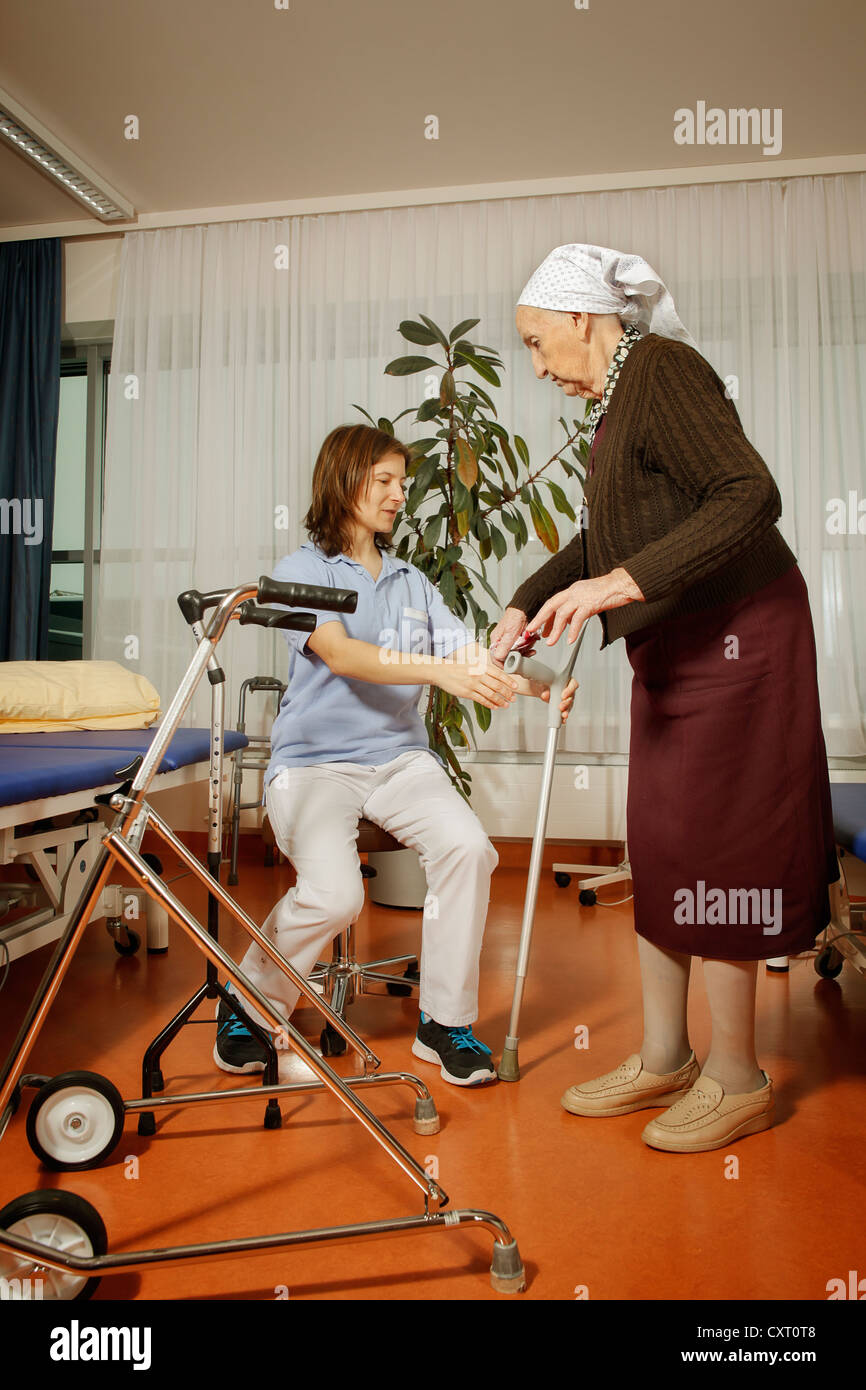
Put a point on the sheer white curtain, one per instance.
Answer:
(228, 371)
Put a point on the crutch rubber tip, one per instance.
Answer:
(426, 1117)
(509, 1067)
(507, 1274)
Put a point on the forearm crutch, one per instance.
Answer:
(535, 669)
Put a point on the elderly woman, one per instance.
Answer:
(729, 821)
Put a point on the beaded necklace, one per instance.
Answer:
(623, 347)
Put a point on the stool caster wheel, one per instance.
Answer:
(587, 898)
(829, 963)
(410, 974)
(332, 1043)
(562, 880)
(130, 946)
(147, 1124)
(233, 880)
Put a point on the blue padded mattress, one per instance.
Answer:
(849, 816)
(40, 765)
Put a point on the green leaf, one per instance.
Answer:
(405, 366)
(509, 458)
(560, 501)
(463, 327)
(462, 496)
(386, 425)
(485, 585)
(416, 333)
(434, 328)
(482, 368)
(429, 409)
(420, 447)
(431, 531)
(483, 715)
(520, 446)
(424, 476)
(500, 544)
(364, 412)
(447, 587)
(511, 522)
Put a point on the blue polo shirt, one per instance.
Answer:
(326, 718)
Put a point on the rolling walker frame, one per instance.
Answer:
(121, 844)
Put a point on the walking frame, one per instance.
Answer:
(99, 1118)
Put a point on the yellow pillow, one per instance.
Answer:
(38, 697)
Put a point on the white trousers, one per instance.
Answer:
(314, 812)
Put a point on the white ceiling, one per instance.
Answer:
(242, 103)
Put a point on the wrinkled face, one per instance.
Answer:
(559, 346)
(379, 503)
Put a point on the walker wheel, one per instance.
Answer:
(75, 1120)
(60, 1221)
(587, 898)
(562, 880)
(829, 963)
(154, 861)
(332, 1043)
(411, 974)
(130, 946)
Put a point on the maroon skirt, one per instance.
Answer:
(730, 826)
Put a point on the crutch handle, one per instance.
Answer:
(537, 670)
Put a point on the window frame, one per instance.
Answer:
(85, 350)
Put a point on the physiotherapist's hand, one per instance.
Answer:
(480, 679)
(506, 633)
(574, 606)
(567, 700)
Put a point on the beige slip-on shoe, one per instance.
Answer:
(707, 1118)
(630, 1087)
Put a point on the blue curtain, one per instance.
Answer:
(30, 321)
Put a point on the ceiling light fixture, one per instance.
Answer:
(48, 153)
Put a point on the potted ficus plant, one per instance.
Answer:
(469, 491)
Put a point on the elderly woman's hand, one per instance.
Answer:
(506, 633)
(573, 606)
(567, 700)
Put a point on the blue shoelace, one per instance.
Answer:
(465, 1040)
(233, 1027)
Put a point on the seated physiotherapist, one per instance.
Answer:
(348, 742)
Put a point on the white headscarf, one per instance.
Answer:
(596, 280)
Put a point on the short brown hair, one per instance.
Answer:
(339, 477)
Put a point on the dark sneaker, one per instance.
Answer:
(235, 1048)
(462, 1059)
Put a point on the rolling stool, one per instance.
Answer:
(344, 977)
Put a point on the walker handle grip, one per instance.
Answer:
(192, 603)
(306, 595)
(275, 617)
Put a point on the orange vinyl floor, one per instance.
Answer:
(594, 1210)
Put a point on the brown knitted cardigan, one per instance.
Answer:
(678, 497)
